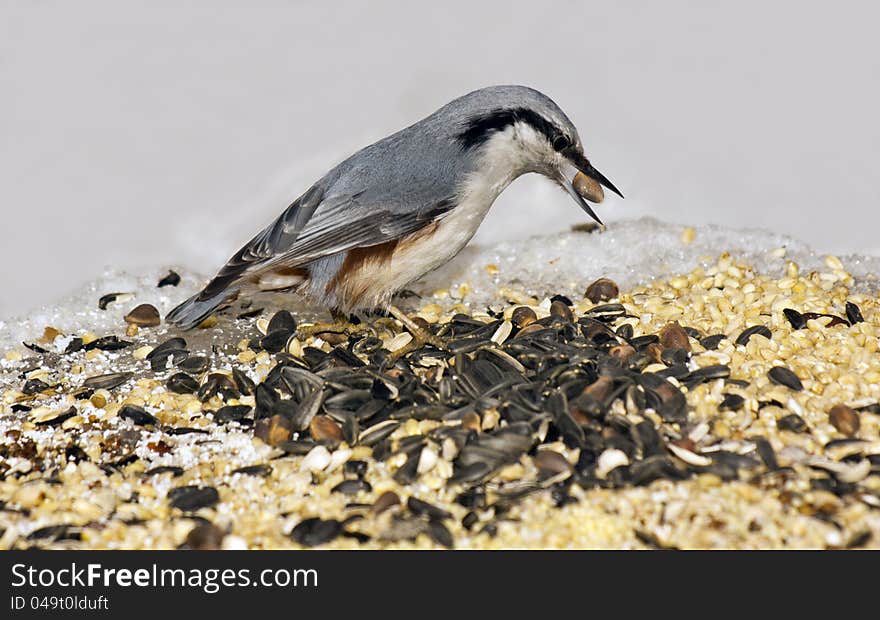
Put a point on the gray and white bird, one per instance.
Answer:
(403, 206)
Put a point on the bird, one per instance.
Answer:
(403, 206)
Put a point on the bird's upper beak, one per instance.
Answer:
(581, 181)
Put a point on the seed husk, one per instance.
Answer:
(845, 419)
(110, 298)
(144, 315)
(602, 289)
(108, 343)
(783, 376)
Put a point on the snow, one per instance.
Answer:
(628, 252)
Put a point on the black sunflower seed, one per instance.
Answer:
(314, 531)
(56, 532)
(783, 376)
(440, 534)
(853, 314)
(136, 414)
(171, 279)
(731, 402)
(192, 498)
(766, 452)
(275, 342)
(352, 486)
(243, 382)
(254, 470)
(710, 343)
(107, 382)
(795, 318)
(747, 333)
(182, 383)
(195, 364)
(231, 413)
(282, 321)
(792, 422)
(421, 507)
(167, 347)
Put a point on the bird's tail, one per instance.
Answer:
(199, 307)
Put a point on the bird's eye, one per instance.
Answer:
(561, 142)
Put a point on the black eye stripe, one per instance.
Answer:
(481, 127)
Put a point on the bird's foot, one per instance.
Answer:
(420, 336)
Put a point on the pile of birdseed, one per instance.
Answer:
(623, 389)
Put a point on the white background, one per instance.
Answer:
(134, 136)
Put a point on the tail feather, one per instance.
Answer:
(199, 307)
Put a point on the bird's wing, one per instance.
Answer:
(318, 225)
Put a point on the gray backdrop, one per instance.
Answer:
(136, 136)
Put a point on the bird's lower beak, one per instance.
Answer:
(581, 181)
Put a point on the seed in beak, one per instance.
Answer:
(588, 188)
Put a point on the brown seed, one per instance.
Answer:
(144, 315)
(654, 351)
(588, 188)
(602, 289)
(274, 430)
(673, 336)
(205, 537)
(559, 309)
(334, 338)
(471, 421)
(324, 428)
(600, 388)
(551, 462)
(522, 316)
(844, 419)
(622, 352)
(387, 500)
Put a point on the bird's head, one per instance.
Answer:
(525, 130)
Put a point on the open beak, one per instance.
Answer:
(581, 181)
